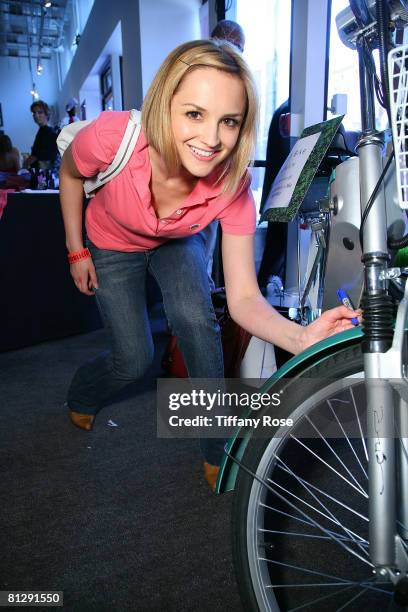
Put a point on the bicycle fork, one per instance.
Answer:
(387, 448)
(384, 357)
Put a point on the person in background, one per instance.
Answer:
(44, 151)
(71, 116)
(232, 32)
(274, 256)
(9, 155)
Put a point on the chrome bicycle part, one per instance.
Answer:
(360, 19)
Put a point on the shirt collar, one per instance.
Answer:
(206, 188)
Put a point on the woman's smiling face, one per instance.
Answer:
(207, 111)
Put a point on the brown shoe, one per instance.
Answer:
(83, 421)
(211, 474)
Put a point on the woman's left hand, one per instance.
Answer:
(331, 322)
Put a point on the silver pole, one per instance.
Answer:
(380, 417)
(375, 229)
(381, 472)
(366, 94)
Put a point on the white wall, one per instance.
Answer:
(16, 98)
(70, 30)
(102, 22)
(116, 80)
(165, 25)
(90, 89)
(90, 94)
(308, 63)
(112, 30)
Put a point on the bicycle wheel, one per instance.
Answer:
(300, 527)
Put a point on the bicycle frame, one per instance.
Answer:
(385, 359)
(382, 364)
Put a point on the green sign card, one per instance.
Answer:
(296, 175)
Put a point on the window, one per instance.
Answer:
(83, 110)
(267, 27)
(106, 88)
(343, 75)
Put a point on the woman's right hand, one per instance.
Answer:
(84, 275)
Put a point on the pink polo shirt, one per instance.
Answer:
(121, 217)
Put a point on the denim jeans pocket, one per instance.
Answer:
(103, 256)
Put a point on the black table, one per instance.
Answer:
(38, 300)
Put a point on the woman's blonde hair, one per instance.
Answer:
(156, 118)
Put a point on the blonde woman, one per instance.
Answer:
(189, 167)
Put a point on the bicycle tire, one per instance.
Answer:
(262, 559)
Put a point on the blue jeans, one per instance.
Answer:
(179, 268)
(209, 234)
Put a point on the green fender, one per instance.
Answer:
(321, 350)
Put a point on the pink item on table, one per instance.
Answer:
(3, 199)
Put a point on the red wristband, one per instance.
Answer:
(75, 256)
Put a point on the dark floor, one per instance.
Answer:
(116, 518)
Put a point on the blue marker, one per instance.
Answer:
(344, 299)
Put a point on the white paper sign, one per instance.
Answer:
(284, 185)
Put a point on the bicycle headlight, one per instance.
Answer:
(360, 15)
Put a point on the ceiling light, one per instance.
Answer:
(47, 4)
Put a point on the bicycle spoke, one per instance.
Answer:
(329, 518)
(308, 523)
(334, 518)
(292, 516)
(345, 435)
(306, 535)
(359, 424)
(326, 516)
(401, 524)
(319, 526)
(334, 499)
(352, 599)
(370, 584)
(312, 585)
(337, 580)
(404, 544)
(306, 570)
(319, 599)
(329, 446)
(404, 445)
(329, 466)
(322, 598)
